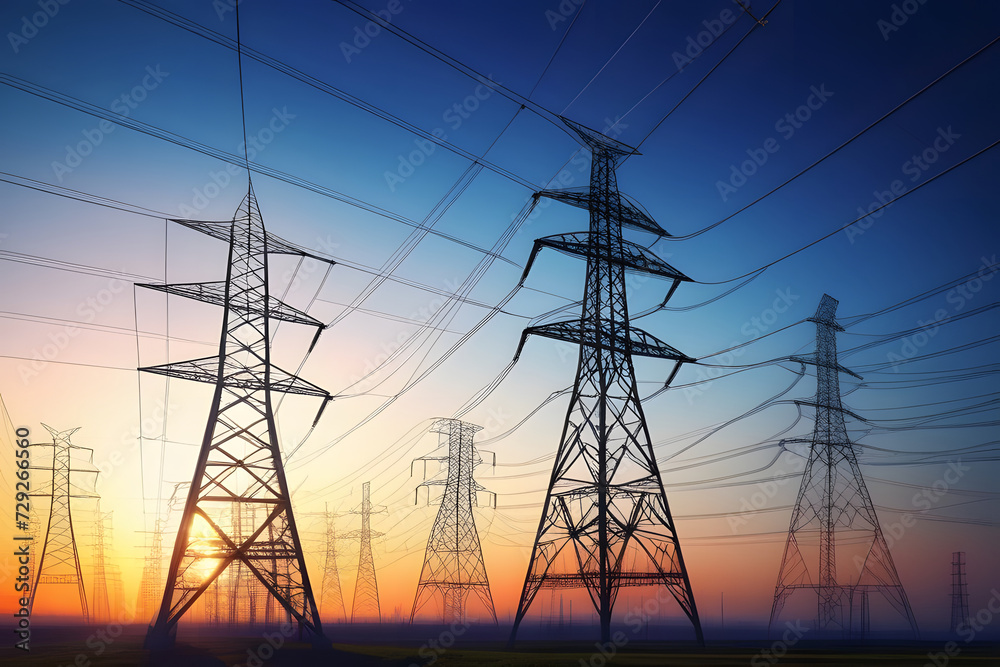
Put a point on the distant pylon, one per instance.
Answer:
(606, 522)
(331, 603)
(366, 604)
(59, 561)
(453, 562)
(151, 583)
(835, 546)
(239, 463)
(102, 601)
(959, 592)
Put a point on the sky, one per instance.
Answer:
(136, 106)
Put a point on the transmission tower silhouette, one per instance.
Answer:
(453, 562)
(102, 600)
(331, 595)
(835, 546)
(959, 591)
(606, 522)
(151, 583)
(59, 560)
(239, 463)
(365, 605)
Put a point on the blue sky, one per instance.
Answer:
(813, 77)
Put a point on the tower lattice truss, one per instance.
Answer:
(835, 547)
(606, 523)
(453, 566)
(959, 592)
(331, 595)
(59, 560)
(239, 465)
(365, 606)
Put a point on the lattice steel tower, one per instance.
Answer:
(453, 562)
(59, 560)
(239, 464)
(365, 604)
(606, 522)
(102, 600)
(331, 595)
(959, 591)
(835, 545)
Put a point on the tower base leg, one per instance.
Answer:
(159, 638)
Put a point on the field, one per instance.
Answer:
(83, 647)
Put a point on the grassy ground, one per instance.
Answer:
(81, 647)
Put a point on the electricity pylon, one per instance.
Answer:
(606, 522)
(151, 583)
(365, 605)
(453, 562)
(959, 591)
(239, 463)
(835, 546)
(59, 561)
(102, 602)
(331, 596)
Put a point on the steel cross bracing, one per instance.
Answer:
(835, 545)
(606, 522)
(102, 602)
(959, 592)
(453, 562)
(239, 464)
(59, 560)
(331, 595)
(365, 606)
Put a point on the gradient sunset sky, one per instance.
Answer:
(812, 78)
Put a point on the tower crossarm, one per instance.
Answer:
(222, 230)
(206, 369)
(215, 294)
(628, 214)
(636, 343)
(599, 142)
(821, 406)
(813, 361)
(630, 255)
(359, 534)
